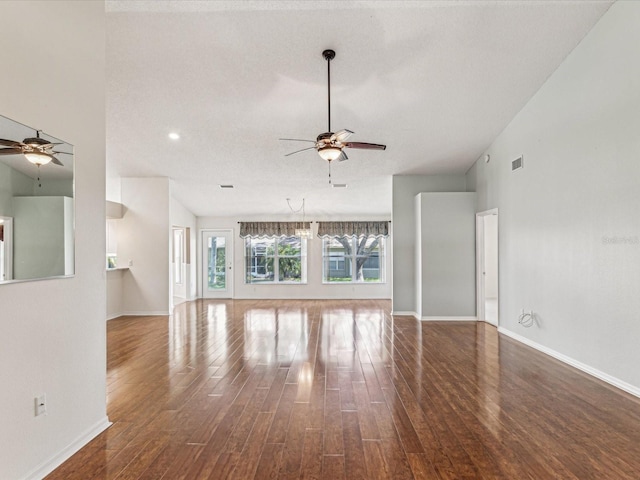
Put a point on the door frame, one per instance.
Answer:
(183, 264)
(229, 256)
(480, 263)
(8, 249)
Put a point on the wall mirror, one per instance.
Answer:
(36, 204)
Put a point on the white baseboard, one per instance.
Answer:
(616, 382)
(404, 314)
(145, 314)
(54, 462)
(111, 317)
(449, 319)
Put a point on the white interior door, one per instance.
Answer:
(487, 266)
(217, 263)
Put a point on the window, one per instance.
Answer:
(276, 260)
(353, 259)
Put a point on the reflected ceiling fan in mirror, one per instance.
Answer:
(330, 146)
(37, 150)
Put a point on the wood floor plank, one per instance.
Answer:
(311, 467)
(376, 467)
(353, 449)
(341, 389)
(333, 467)
(395, 459)
(269, 462)
(367, 420)
(404, 427)
(333, 439)
(293, 446)
(225, 466)
(280, 424)
(173, 462)
(253, 448)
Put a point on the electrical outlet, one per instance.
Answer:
(40, 405)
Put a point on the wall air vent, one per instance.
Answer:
(225, 186)
(516, 164)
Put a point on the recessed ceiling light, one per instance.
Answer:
(174, 136)
(225, 186)
(339, 185)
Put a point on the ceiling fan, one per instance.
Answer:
(37, 150)
(330, 146)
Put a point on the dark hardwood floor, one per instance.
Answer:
(339, 389)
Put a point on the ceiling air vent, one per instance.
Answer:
(516, 164)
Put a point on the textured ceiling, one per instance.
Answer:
(434, 81)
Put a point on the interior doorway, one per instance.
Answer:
(487, 284)
(179, 281)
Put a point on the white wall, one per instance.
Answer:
(181, 217)
(53, 331)
(12, 183)
(403, 227)
(569, 222)
(143, 235)
(143, 240)
(447, 251)
(115, 293)
(314, 288)
(43, 237)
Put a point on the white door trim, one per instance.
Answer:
(7, 274)
(179, 289)
(480, 290)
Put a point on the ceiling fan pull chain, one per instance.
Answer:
(329, 172)
(39, 183)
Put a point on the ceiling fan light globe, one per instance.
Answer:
(38, 158)
(329, 153)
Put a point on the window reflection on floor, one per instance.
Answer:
(275, 335)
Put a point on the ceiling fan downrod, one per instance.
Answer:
(328, 56)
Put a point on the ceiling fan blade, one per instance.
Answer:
(342, 157)
(341, 136)
(62, 153)
(56, 161)
(298, 151)
(297, 140)
(9, 143)
(10, 151)
(365, 146)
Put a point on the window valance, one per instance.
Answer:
(349, 229)
(271, 229)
